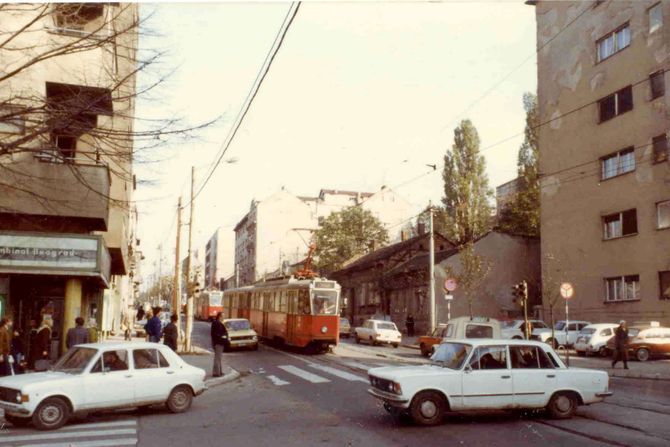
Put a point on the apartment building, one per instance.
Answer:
(605, 175)
(277, 231)
(219, 257)
(67, 226)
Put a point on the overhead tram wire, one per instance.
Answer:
(252, 95)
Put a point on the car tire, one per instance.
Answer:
(372, 341)
(424, 351)
(395, 345)
(516, 337)
(427, 408)
(17, 421)
(642, 354)
(562, 405)
(603, 352)
(51, 414)
(553, 343)
(255, 347)
(358, 340)
(180, 399)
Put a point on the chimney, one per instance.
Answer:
(404, 235)
(421, 228)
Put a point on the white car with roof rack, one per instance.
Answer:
(486, 374)
(101, 376)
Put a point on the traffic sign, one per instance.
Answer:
(448, 296)
(567, 291)
(450, 284)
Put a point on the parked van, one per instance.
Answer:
(464, 327)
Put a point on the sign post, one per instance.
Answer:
(567, 292)
(449, 286)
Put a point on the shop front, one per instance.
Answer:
(55, 277)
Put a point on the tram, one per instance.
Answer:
(208, 305)
(298, 312)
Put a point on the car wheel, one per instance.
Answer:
(642, 354)
(372, 341)
(553, 343)
(427, 408)
(17, 421)
(516, 337)
(255, 348)
(603, 352)
(562, 405)
(395, 345)
(424, 351)
(358, 340)
(51, 414)
(180, 399)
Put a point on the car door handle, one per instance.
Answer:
(170, 372)
(551, 376)
(505, 377)
(128, 376)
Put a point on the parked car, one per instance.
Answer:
(345, 328)
(460, 327)
(240, 334)
(512, 329)
(100, 376)
(487, 375)
(646, 342)
(559, 338)
(377, 332)
(592, 339)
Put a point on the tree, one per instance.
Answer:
(467, 212)
(83, 112)
(160, 290)
(521, 215)
(474, 269)
(345, 234)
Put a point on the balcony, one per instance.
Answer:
(44, 196)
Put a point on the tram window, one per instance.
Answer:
(292, 302)
(325, 302)
(283, 304)
(303, 302)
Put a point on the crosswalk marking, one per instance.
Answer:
(339, 373)
(277, 381)
(105, 443)
(58, 434)
(303, 374)
(97, 425)
(357, 365)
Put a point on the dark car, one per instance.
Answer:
(646, 342)
(345, 328)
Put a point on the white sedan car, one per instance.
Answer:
(377, 332)
(487, 374)
(101, 376)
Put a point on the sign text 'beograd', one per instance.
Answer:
(12, 252)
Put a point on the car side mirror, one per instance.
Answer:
(468, 369)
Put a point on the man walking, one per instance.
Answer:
(621, 345)
(154, 326)
(219, 336)
(171, 333)
(78, 335)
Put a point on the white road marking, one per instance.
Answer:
(58, 434)
(339, 373)
(303, 374)
(105, 443)
(357, 365)
(97, 425)
(277, 381)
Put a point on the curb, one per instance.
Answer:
(228, 377)
(411, 347)
(634, 375)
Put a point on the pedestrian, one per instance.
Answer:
(5, 347)
(621, 345)
(219, 335)
(78, 335)
(17, 352)
(126, 324)
(409, 323)
(154, 327)
(30, 337)
(41, 349)
(140, 312)
(171, 333)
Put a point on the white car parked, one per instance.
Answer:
(100, 376)
(487, 374)
(559, 333)
(592, 339)
(512, 329)
(378, 331)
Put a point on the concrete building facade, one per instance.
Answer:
(219, 257)
(67, 229)
(605, 177)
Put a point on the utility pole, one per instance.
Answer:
(160, 274)
(524, 291)
(191, 283)
(431, 271)
(176, 293)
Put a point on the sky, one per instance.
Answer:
(360, 95)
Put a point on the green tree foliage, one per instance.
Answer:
(467, 213)
(345, 234)
(522, 214)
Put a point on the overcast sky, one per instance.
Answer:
(360, 95)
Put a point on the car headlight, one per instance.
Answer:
(324, 330)
(254, 338)
(22, 398)
(396, 388)
(18, 397)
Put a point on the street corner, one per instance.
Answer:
(230, 375)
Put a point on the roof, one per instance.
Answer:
(421, 261)
(121, 345)
(496, 342)
(345, 193)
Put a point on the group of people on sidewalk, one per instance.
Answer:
(21, 351)
(155, 331)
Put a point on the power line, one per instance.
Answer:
(252, 94)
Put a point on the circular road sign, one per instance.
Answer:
(450, 284)
(567, 291)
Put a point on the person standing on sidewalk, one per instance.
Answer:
(219, 335)
(171, 333)
(409, 323)
(77, 335)
(621, 345)
(5, 347)
(155, 327)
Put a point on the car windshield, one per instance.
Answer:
(451, 355)
(344, 322)
(539, 325)
(387, 326)
(510, 324)
(75, 360)
(559, 326)
(587, 330)
(237, 325)
(632, 332)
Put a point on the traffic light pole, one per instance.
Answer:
(524, 286)
(431, 272)
(190, 282)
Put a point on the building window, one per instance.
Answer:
(620, 224)
(616, 104)
(664, 280)
(657, 84)
(613, 42)
(663, 214)
(618, 163)
(660, 144)
(655, 17)
(623, 288)
(75, 16)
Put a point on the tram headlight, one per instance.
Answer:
(324, 330)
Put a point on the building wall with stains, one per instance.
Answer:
(573, 142)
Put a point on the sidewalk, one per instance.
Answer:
(201, 358)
